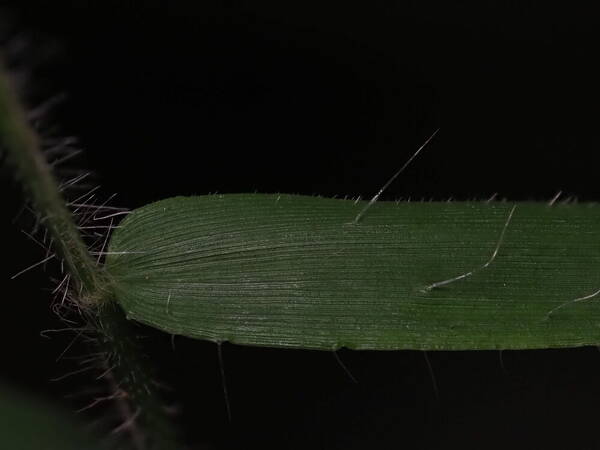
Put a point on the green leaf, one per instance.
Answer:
(30, 424)
(300, 272)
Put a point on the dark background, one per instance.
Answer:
(182, 98)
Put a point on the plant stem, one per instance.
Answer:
(129, 368)
(133, 373)
(22, 145)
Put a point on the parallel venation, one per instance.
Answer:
(296, 271)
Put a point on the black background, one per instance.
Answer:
(183, 98)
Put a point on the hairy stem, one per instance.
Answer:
(133, 374)
(22, 145)
(129, 368)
